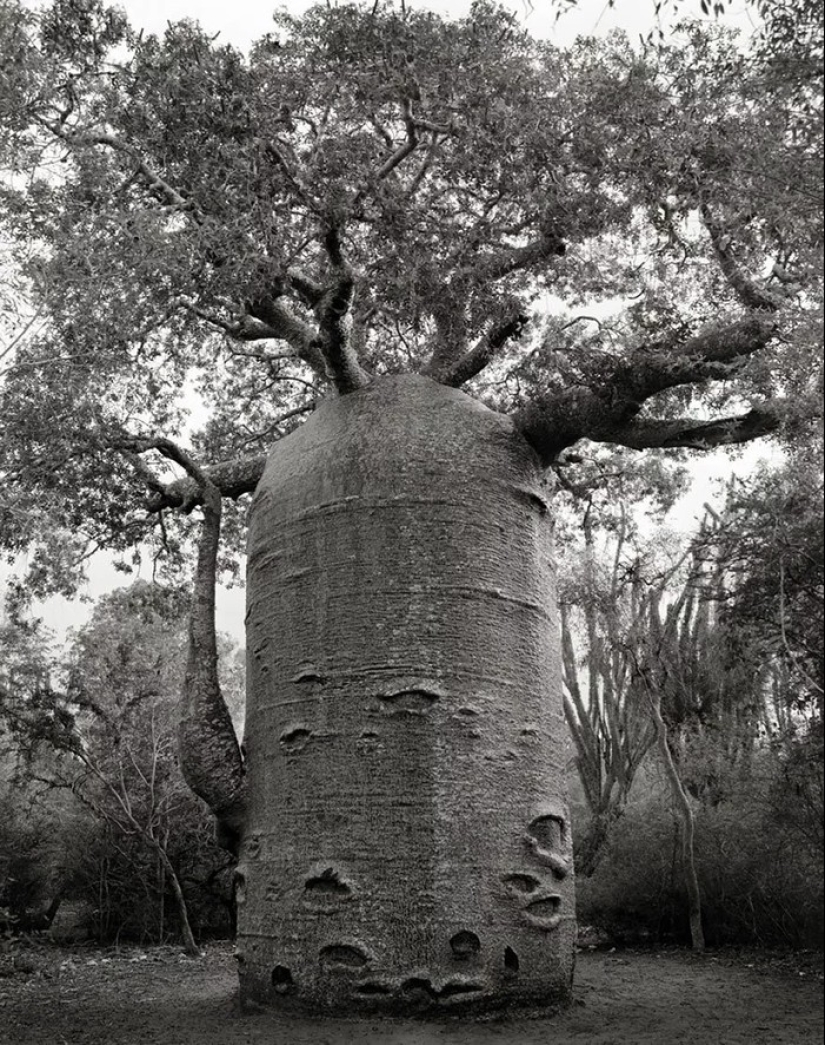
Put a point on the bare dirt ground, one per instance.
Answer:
(132, 996)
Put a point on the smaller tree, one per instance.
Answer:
(601, 614)
(653, 672)
(767, 547)
(114, 731)
(719, 660)
(34, 862)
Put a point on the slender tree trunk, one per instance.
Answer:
(210, 756)
(407, 845)
(103, 900)
(161, 925)
(189, 945)
(697, 936)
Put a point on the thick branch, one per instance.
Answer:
(496, 266)
(482, 352)
(210, 756)
(268, 319)
(284, 325)
(713, 355)
(487, 269)
(334, 322)
(308, 290)
(695, 435)
(604, 407)
(553, 425)
(231, 478)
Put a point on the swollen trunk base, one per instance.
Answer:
(406, 847)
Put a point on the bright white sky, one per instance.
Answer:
(241, 21)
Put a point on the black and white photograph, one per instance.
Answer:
(412, 596)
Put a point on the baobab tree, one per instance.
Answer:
(338, 244)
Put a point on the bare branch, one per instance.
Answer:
(398, 155)
(276, 424)
(247, 328)
(425, 166)
(495, 266)
(697, 435)
(270, 356)
(156, 183)
(301, 191)
(20, 335)
(382, 132)
(749, 293)
(583, 319)
(482, 352)
(605, 405)
(231, 478)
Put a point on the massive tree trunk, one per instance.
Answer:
(406, 845)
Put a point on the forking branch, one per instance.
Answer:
(605, 407)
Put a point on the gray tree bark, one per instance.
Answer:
(210, 756)
(406, 845)
(697, 936)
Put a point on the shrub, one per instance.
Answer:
(761, 879)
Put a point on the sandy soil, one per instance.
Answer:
(53, 996)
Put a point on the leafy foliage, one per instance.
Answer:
(392, 189)
(769, 543)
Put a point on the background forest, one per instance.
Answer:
(718, 642)
(693, 666)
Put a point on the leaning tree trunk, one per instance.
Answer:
(406, 845)
(188, 937)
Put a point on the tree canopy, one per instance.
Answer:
(375, 190)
